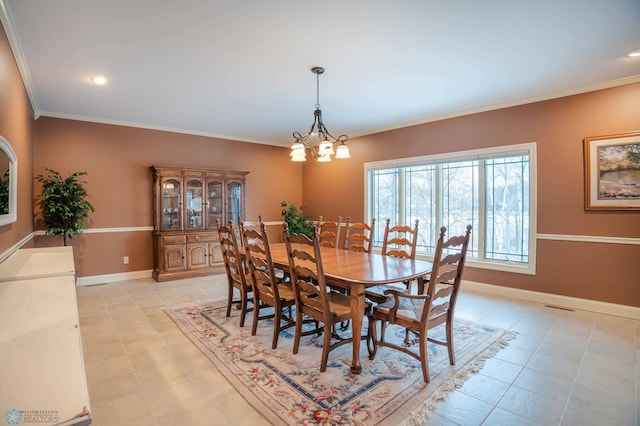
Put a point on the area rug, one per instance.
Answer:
(289, 389)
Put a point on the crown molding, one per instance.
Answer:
(111, 122)
(575, 91)
(16, 48)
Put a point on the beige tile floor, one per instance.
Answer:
(565, 367)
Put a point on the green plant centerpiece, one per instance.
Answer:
(297, 221)
(64, 206)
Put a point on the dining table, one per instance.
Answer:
(356, 271)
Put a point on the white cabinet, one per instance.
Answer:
(41, 365)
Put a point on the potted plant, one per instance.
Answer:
(64, 205)
(297, 221)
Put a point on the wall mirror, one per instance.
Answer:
(8, 183)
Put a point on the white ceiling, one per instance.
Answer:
(241, 69)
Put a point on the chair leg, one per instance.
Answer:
(296, 339)
(407, 340)
(229, 300)
(276, 325)
(256, 314)
(452, 355)
(243, 304)
(325, 347)
(371, 340)
(424, 356)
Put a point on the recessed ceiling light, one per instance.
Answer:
(99, 80)
(634, 54)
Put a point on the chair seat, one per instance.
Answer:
(408, 309)
(377, 294)
(339, 304)
(286, 291)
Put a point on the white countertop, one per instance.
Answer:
(34, 263)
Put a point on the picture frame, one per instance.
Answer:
(612, 172)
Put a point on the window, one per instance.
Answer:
(492, 189)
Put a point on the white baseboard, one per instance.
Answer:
(554, 299)
(112, 278)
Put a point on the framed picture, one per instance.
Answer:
(612, 172)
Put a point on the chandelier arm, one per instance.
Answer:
(339, 139)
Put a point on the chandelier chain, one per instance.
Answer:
(317, 91)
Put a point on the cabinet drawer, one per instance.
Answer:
(207, 238)
(173, 239)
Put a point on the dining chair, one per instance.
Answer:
(329, 232)
(419, 313)
(398, 241)
(358, 236)
(313, 299)
(237, 276)
(268, 289)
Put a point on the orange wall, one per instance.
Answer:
(606, 272)
(16, 126)
(119, 183)
(118, 180)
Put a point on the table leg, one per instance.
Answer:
(357, 304)
(421, 283)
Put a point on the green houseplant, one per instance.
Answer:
(64, 205)
(297, 221)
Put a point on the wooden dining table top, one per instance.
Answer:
(370, 269)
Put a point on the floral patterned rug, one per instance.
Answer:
(289, 389)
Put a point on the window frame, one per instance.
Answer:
(529, 149)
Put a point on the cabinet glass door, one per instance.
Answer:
(171, 215)
(234, 202)
(194, 205)
(214, 203)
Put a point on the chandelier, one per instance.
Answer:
(324, 150)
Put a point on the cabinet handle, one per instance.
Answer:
(174, 240)
(198, 238)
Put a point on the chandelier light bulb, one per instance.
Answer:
(324, 158)
(342, 151)
(326, 148)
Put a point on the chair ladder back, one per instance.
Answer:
(230, 253)
(307, 275)
(261, 267)
(400, 240)
(358, 235)
(446, 276)
(246, 224)
(329, 232)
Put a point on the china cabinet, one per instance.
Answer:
(186, 204)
